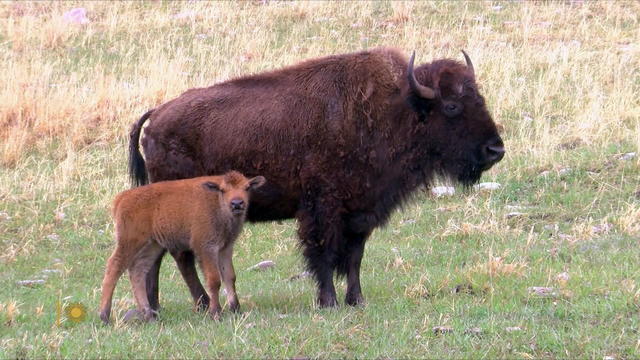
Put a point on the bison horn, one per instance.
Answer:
(424, 91)
(469, 63)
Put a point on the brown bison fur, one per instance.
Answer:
(342, 141)
(203, 215)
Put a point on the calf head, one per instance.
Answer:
(234, 190)
(460, 136)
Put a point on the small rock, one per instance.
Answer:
(564, 171)
(395, 250)
(563, 277)
(60, 216)
(263, 265)
(185, 14)
(473, 331)
(443, 190)
(602, 228)
(54, 237)
(408, 221)
(302, 275)
(542, 291)
(628, 156)
(283, 316)
(31, 283)
(4, 216)
(515, 207)
(76, 16)
(442, 330)
(514, 214)
(513, 329)
(609, 357)
(57, 261)
(487, 186)
(203, 344)
(545, 173)
(51, 271)
(496, 8)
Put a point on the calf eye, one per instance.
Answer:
(211, 186)
(452, 109)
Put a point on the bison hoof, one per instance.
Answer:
(354, 300)
(327, 301)
(202, 304)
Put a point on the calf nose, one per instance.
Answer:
(494, 151)
(237, 204)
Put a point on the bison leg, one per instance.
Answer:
(187, 267)
(320, 263)
(152, 283)
(320, 230)
(354, 258)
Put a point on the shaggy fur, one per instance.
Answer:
(201, 216)
(342, 141)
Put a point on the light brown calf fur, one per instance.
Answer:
(204, 215)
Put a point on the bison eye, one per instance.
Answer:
(452, 109)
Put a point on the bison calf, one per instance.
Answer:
(203, 215)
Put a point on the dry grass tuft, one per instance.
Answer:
(543, 86)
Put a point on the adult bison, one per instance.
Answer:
(342, 140)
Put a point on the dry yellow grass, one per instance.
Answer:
(554, 75)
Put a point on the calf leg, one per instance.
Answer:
(225, 264)
(115, 267)
(138, 271)
(187, 267)
(209, 261)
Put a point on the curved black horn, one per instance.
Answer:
(424, 91)
(469, 63)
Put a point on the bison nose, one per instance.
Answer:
(494, 151)
(237, 204)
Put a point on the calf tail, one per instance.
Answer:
(137, 168)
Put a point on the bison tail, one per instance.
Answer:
(137, 168)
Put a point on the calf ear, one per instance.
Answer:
(210, 186)
(256, 182)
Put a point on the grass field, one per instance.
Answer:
(562, 78)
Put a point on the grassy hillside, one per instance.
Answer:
(562, 78)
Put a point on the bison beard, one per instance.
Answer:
(342, 141)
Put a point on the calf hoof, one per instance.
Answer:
(216, 314)
(354, 300)
(104, 316)
(234, 306)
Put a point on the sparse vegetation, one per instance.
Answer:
(562, 78)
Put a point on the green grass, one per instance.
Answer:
(409, 274)
(556, 75)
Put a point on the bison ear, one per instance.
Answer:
(256, 182)
(210, 186)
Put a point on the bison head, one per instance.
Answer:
(460, 137)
